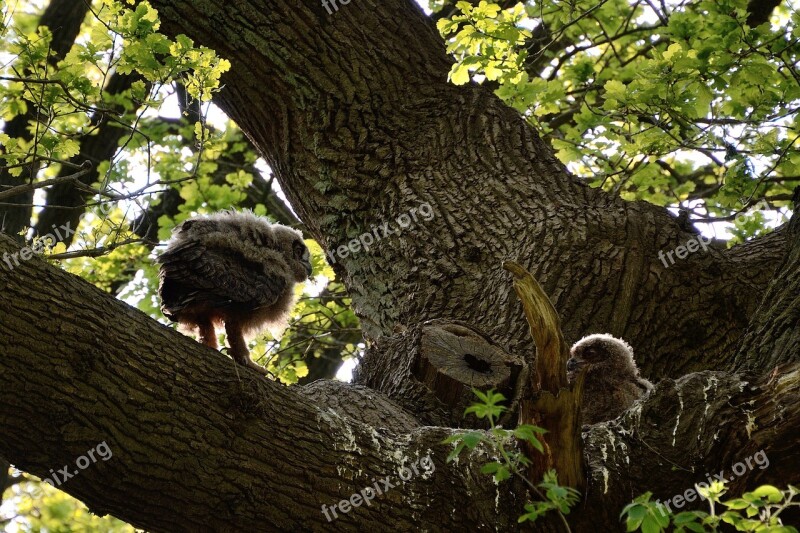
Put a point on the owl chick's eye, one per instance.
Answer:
(300, 250)
(573, 364)
(185, 225)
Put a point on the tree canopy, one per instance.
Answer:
(691, 105)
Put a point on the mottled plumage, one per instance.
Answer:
(612, 380)
(235, 269)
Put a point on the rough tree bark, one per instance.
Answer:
(5, 477)
(165, 409)
(354, 114)
(200, 444)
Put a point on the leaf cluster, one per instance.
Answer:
(510, 460)
(681, 104)
(757, 511)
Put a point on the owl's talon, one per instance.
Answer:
(258, 368)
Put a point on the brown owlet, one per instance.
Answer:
(612, 380)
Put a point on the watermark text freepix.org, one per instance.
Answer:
(683, 251)
(331, 6)
(739, 469)
(376, 233)
(699, 241)
(39, 246)
(83, 462)
(367, 494)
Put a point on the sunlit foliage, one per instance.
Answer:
(680, 103)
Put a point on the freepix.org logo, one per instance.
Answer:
(387, 229)
(38, 247)
(423, 467)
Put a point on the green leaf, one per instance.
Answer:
(651, 525)
(460, 74)
(490, 468)
(770, 493)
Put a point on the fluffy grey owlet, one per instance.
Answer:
(231, 269)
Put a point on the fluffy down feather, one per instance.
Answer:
(231, 269)
(612, 380)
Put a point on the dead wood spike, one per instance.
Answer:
(549, 402)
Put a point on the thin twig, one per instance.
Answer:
(97, 252)
(21, 189)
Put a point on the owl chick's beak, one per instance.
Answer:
(573, 368)
(309, 270)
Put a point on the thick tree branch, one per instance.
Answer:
(199, 443)
(181, 418)
(690, 429)
(29, 187)
(772, 339)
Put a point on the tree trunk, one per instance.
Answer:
(354, 114)
(358, 139)
(5, 477)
